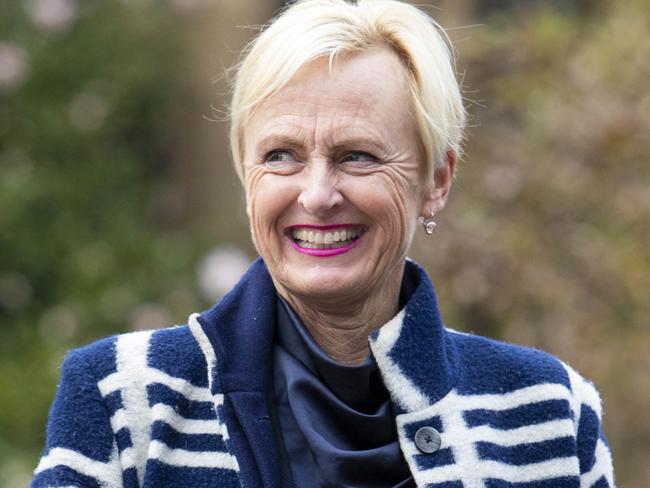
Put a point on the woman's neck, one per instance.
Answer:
(341, 328)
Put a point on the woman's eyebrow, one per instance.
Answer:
(369, 142)
(278, 140)
(352, 141)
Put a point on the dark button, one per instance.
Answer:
(427, 440)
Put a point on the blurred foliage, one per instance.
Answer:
(114, 188)
(85, 144)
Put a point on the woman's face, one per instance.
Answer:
(333, 177)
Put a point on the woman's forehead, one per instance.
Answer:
(364, 88)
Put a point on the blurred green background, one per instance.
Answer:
(118, 201)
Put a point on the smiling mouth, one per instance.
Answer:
(333, 238)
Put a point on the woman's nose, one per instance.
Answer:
(320, 193)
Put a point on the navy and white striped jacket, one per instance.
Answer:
(187, 406)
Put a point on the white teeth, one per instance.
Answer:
(316, 239)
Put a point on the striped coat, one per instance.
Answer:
(187, 406)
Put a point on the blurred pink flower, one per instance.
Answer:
(220, 270)
(52, 15)
(13, 66)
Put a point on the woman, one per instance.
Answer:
(328, 364)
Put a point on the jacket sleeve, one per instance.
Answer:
(596, 469)
(80, 447)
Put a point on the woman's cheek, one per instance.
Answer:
(256, 207)
(251, 181)
(269, 197)
(394, 198)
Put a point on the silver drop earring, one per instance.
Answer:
(429, 225)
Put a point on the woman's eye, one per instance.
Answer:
(281, 161)
(359, 157)
(278, 156)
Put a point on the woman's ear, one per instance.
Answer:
(437, 191)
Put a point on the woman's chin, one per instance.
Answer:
(326, 282)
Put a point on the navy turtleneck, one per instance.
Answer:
(335, 420)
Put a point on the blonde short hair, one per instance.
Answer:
(311, 29)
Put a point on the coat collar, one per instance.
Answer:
(412, 350)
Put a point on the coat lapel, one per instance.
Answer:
(240, 330)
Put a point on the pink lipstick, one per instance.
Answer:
(325, 240)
